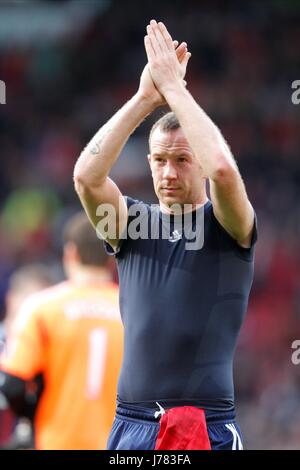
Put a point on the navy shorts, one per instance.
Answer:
(137, 428)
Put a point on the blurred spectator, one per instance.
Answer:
(24, 282)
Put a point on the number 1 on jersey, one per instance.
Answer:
(97, 349)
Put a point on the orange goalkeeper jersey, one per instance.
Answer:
(72, 333)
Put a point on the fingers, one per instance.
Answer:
(149, 48)
(181, 51)
(158, 41)
(155, 39)
(186, 59)
(162, 36)
(165, 34)
(161, 40)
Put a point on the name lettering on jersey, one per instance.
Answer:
(77, 309)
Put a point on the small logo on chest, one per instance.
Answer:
(175, 236)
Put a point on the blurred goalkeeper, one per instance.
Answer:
(72, 336)
(182, 305)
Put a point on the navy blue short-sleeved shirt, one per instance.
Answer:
(182, 304)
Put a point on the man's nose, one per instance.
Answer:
(170, 171)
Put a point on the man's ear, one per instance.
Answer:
(150, 163)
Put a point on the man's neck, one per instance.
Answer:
(90, 275)
(177, 209)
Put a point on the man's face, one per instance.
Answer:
(177, 176)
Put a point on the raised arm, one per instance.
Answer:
(92, 183)
(228, 194)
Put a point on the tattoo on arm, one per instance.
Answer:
(96, 145)
(95, 150)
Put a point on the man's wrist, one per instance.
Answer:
(171, 91)
(146, 102)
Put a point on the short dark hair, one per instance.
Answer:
(78, 230)
(168, 122)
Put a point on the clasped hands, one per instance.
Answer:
(167, 63)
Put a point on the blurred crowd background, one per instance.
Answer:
(69, 65)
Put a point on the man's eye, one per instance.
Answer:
(181, 159)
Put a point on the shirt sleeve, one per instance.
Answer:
(245, 253)
(108, 248)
